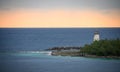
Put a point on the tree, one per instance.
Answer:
(103, 48)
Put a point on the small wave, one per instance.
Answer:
(46, 52)
(41, 52)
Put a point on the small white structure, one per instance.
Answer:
(96, 36)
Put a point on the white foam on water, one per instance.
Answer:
(46, 52)
(41, 52)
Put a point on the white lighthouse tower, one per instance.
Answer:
(96, 36)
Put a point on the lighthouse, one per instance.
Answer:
(96, 36)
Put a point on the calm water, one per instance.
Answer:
(35, 62)
(43, 38)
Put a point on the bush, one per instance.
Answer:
(103, 48)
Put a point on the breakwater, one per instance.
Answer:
(65, 51)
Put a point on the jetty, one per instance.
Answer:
(65, 51)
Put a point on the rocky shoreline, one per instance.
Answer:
(95, 56)
(71, 53)
(74, 52)
(77, 54)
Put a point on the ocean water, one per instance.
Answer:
(13, 39)
(35, 39)
(38, 62)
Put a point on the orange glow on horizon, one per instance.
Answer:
(58, 18)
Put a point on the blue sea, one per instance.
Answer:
(43, 38)
(38, 62)
(15, 40)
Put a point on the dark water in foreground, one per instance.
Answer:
(37, 62)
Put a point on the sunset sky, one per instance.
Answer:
(59, 13)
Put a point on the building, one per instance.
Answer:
(96, 36)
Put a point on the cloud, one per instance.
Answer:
(114, 13)
(59, 18)
(55, 4)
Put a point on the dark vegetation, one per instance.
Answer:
(63, 48)
(102, 48)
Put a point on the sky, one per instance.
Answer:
(59, 13)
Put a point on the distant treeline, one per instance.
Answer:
(102, 48)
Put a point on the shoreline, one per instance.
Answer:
(107, 57)
(94, 56)
(77, 54)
